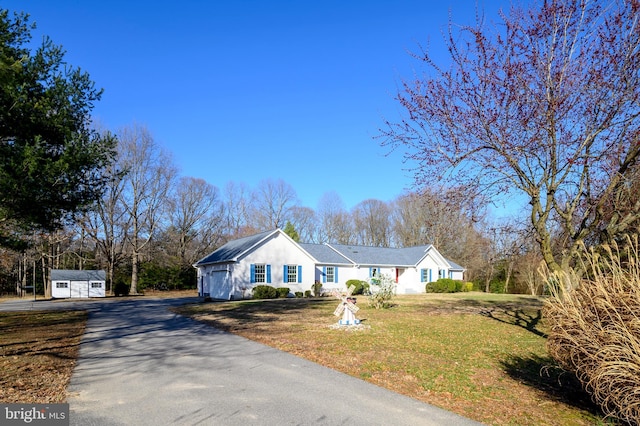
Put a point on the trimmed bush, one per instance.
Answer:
(299, 294)
(307, 293)
(467, 286)
(595, 328)
(444, 285)
(264, 292)
(361, 287)
(282, 292)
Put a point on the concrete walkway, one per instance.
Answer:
(140, 364)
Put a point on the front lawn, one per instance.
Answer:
(480, 355)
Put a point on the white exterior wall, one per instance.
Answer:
(60, 293)
(78, 289)
(277, 252)
(457, 275)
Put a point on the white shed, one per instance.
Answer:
(67, 283)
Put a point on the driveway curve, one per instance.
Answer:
(141, 364)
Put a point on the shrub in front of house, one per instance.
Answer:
(361, 287)
(282, 292)
(385, 289)
(317, 289)
(299, 294)
(467, 286)
(307, 293)
(264, 292)
(445, 285)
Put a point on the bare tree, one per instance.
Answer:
(108, 223)
(149, 175)
(546, 106)
(272, 204)
(195, 219)
(237, 205)
(305, 223)
(372, 223)
(334, 222)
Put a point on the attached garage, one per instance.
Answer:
(67, 283)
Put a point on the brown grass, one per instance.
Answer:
(38, 351)
(482, 356)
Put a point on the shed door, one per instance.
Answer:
(79, 288)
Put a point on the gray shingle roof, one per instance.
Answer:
(363, 255)
(455, 266)
(231, 250)
(329, 254)
(325, 254)
(75, 275)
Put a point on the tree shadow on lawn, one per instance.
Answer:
(528, 320)
(544, 374)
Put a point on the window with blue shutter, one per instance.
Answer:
(330, 274)
(423, 275)
(292, 274)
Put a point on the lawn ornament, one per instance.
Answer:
(347, 307)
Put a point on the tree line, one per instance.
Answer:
(150, 226)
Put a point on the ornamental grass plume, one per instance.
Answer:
(595, 328)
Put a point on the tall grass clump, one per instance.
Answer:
(595, 328)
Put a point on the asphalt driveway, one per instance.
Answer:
(141, 364)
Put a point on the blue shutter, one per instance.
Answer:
(422, 275)
(284, 274)
(429, 274)
(268, 274)
(253, 273)
(299, 273)
(335, 274)
(324, 274)
(370, 272)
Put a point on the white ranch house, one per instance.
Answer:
(274, 259)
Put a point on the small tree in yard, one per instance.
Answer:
(382, 289)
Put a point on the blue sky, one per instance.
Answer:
(243, 91)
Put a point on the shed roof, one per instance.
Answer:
(77, 275)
